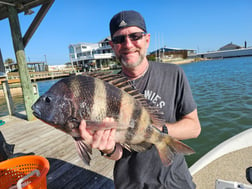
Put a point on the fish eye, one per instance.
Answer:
(48, 99)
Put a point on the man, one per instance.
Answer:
(167, 87)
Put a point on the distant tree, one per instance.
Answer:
(9, 61)
(151, 57)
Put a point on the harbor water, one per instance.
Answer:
(223, 92)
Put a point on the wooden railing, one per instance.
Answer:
(13, 77)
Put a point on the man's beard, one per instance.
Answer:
(133, 64)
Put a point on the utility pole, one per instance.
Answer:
(45, 59)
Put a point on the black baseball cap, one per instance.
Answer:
(125, 19)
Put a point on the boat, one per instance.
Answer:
(227, 166)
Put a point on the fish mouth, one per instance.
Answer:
(36, 112)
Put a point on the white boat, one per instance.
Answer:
(225, 166)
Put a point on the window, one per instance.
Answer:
(71, 49)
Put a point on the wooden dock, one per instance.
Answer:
(13, 77)
(66, 168)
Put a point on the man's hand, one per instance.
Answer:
(103, 140)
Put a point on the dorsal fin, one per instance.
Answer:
(123, 83)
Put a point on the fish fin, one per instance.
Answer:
(126, 146)
(157, 116)
(84, 151)
(97, 74)
(120, 81)
(117, 80)
(169, 146)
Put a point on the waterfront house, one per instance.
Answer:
(91, 56)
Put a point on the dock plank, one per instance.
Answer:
(67, 170)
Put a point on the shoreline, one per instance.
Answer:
(16, 89)
(185, 61)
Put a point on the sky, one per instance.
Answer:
(187, 24)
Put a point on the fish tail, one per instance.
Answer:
(168, 146)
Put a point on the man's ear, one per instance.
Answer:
(147, 40)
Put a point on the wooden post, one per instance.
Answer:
(21, 60)
(8, 97)
(2, 68)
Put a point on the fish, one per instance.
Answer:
(94, 97)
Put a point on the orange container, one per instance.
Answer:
(26, 172)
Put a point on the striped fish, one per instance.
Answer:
(98, 96)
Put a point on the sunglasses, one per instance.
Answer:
(133, 37)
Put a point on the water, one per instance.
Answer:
(223, 92)
(43, 86)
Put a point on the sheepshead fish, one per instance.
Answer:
(96, 97)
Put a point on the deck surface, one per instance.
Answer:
(66, 168)
(230, 167)
(69, 172)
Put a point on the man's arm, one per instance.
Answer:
(188, 127)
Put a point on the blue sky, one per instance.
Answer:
(194, 24)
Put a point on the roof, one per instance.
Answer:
(25, 6)
(21, 6)
(229, 46)
(105, 39)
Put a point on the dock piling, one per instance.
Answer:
(21, 60)
(8, 97)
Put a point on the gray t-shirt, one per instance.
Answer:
(166, 86)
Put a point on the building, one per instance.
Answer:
(86, 56)
(165, 54)
(230, 46)
(227, 51)
(32, 67)
(93, 56)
